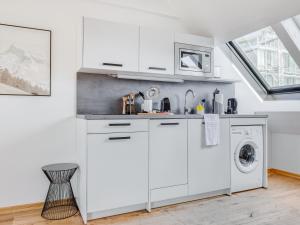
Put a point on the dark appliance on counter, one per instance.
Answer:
(165, 105)
(232, 106)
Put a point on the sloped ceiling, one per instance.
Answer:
(223, 19)
(160, 7)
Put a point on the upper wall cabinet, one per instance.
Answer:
(194, 40)
(111, 46)
(135, 52)
(156, 51)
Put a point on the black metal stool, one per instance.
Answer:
(60, 202)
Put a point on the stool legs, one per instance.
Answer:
(60, 202)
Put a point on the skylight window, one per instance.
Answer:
(271, 56)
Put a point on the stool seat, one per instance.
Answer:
(60, 201)
(60, 173)
(60, 167)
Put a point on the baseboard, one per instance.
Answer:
(271, 171)
(283, 173)
(21, 208)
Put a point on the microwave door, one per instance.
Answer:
(190, 61)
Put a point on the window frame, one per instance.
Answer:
(255, 74)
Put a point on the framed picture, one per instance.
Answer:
(25, 61)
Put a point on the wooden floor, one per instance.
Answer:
(278, 205)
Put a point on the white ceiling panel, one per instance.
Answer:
(223, 19)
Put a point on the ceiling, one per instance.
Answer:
(223, 19)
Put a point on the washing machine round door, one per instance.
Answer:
(246, 157)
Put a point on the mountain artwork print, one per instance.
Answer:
(25, 61)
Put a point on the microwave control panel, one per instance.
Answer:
(206, 62)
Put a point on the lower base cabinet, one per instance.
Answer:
(117, 170)
(209, 166)
(139, 164)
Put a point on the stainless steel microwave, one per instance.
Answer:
(194, 60)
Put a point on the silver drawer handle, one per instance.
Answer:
(169, 124)
(119, 124)
(112, 64)
(157, 68)
(119, 138)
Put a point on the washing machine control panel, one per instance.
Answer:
(245, 131)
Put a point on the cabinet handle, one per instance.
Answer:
(112, 64)
(157, 68)
(169, 124)
(119, 124)
(119, 138)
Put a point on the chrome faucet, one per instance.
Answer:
(186, 109)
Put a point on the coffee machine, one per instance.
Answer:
(232, 106)
(128, 104)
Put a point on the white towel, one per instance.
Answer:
(212, 129)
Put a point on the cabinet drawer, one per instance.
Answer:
(117, 170)
(116, 126)
(169, 193)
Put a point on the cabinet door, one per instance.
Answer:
(209, 166)
(109, 45)
(168, 153)
(117, 170)
(156, 51)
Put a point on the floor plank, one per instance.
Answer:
(277, 205)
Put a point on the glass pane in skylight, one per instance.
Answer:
(271, 59)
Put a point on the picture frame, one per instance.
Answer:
(25, 61)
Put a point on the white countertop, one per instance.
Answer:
(181, 116)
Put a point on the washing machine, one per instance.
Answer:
(246, 158)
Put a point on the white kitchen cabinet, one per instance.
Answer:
(110, 46)
(116, 126)
(194, 40)
(209, 166)
(117, 166)
(156, 51)
(168, 153)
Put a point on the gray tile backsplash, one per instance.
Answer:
(99, 94)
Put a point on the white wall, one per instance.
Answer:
(286, 152)
(36, 131)
(227, 70)
(250, 103)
